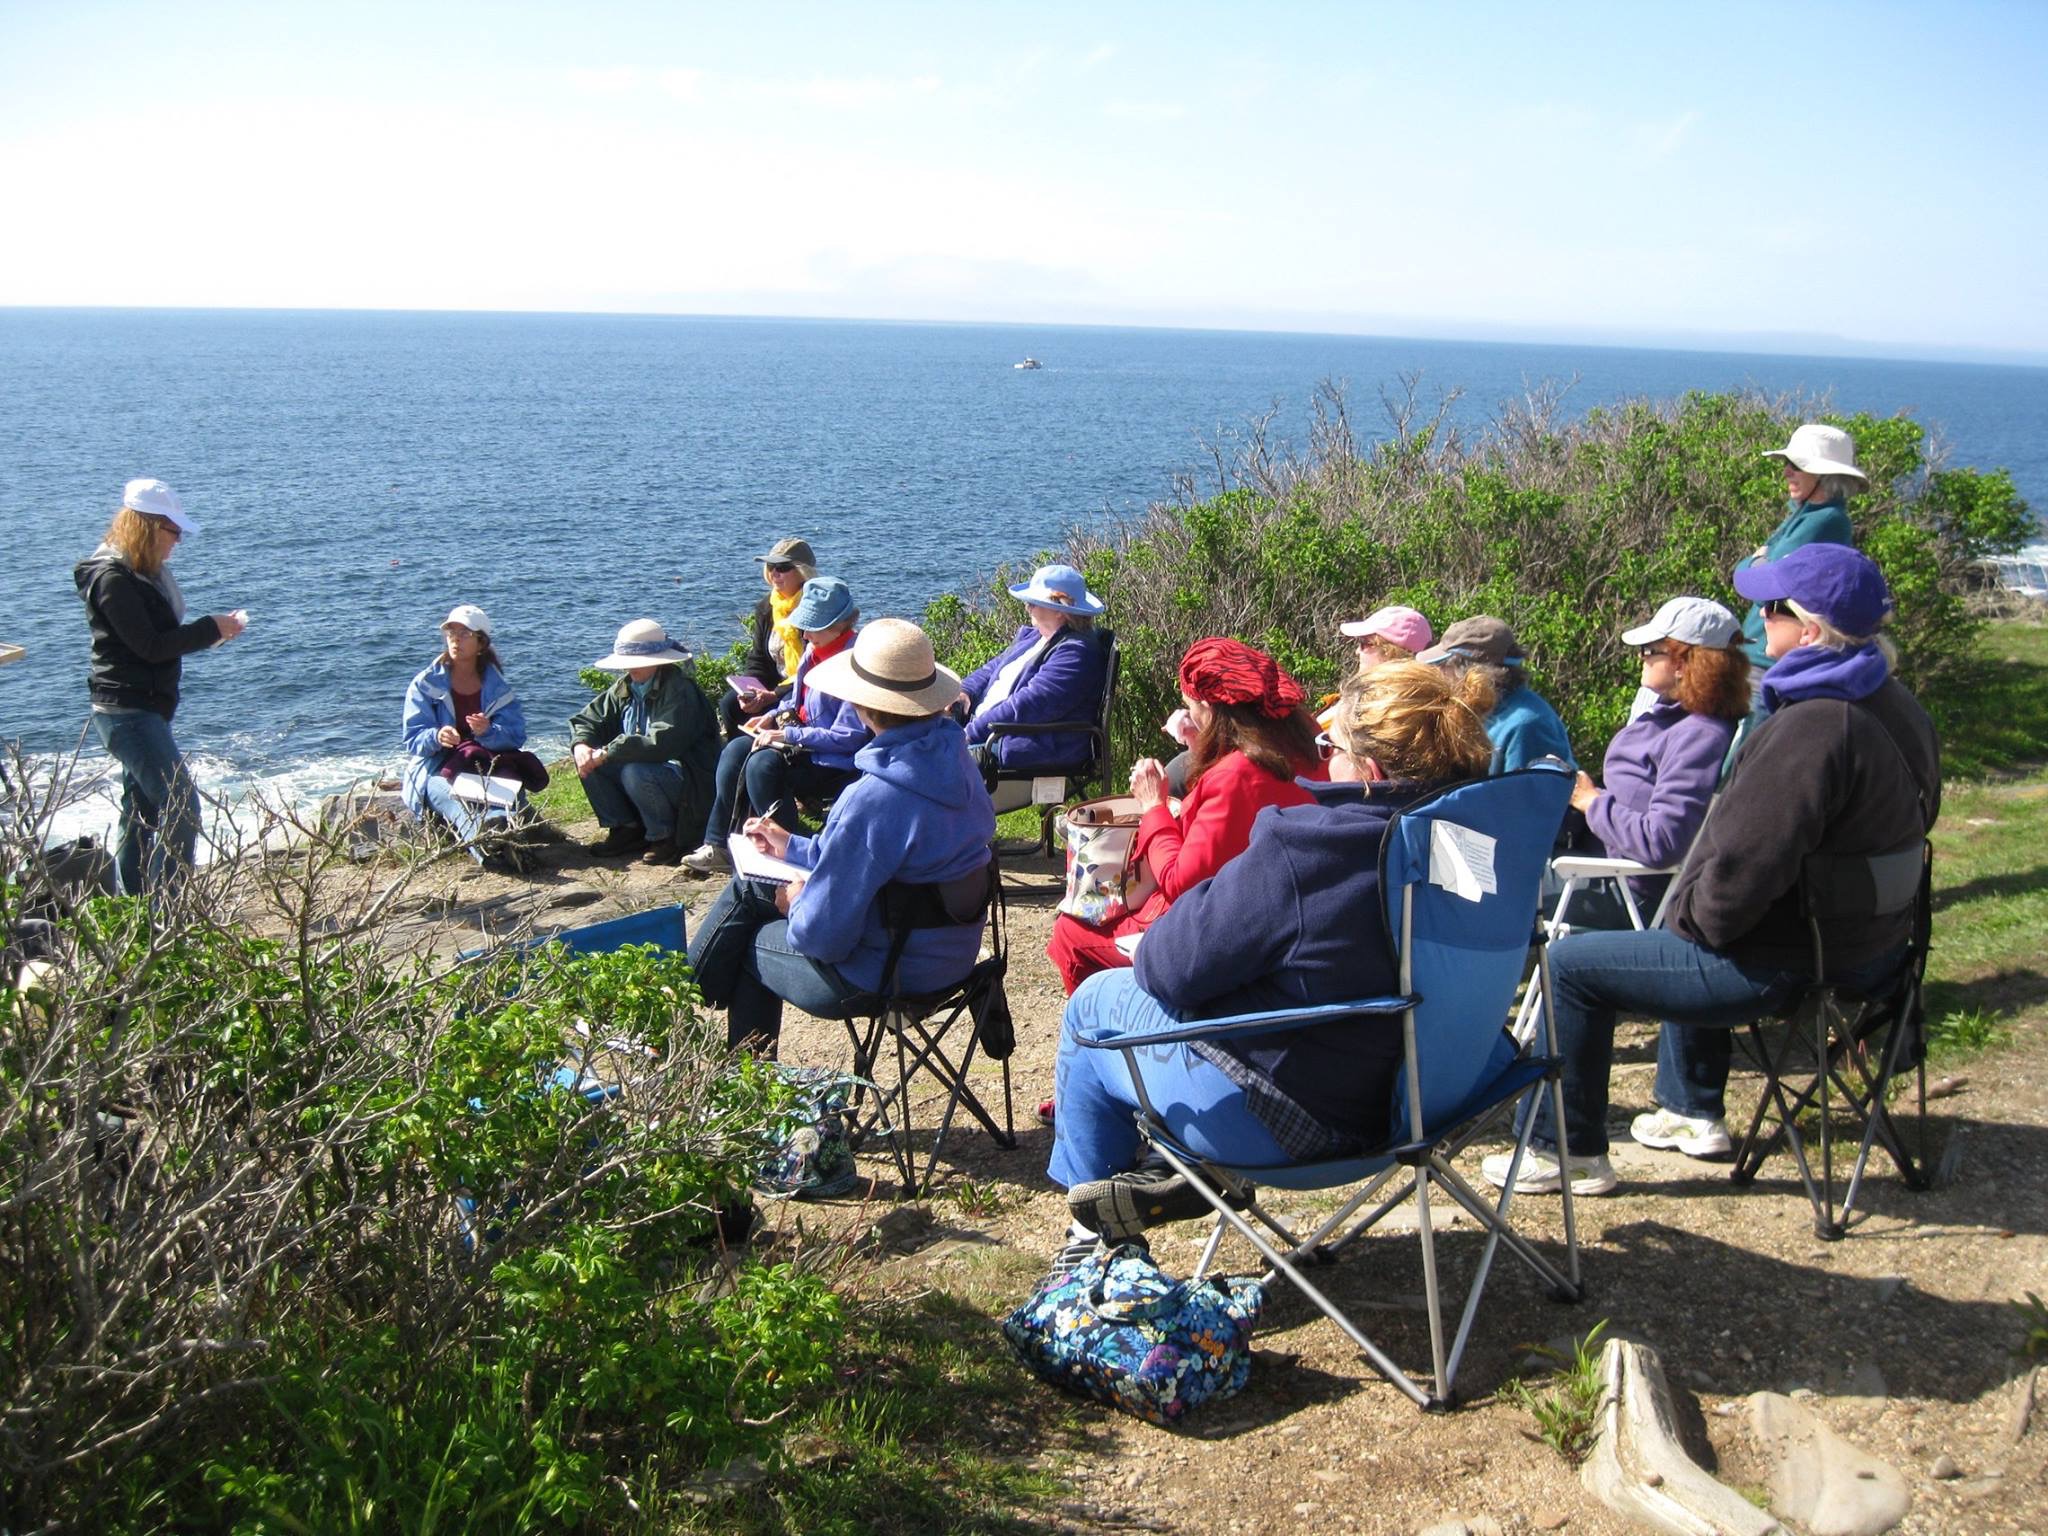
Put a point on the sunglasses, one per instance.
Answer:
(1777, 608)
(165, 525)
(1652, 652)
(1327, 746)
(779, 567)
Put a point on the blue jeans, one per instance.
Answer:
(159, 805)
(1095, 1133)
(745, 965)
(1701, 994)
(465, 816)
(649, 793)
(771, 781)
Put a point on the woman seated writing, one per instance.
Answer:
(1294, 921)
(1662, 767)
(804, 750)
(459, 714)
(916, 815)
(1053, 671)
(1252, 737)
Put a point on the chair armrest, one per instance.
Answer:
(1239, 1025)
(1578, 866)
(1041, 728)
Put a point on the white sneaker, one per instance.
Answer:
(1590, 1175)
(708, 859)
(1672, 1132)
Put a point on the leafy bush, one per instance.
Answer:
(1572, 531)
(237, 1287)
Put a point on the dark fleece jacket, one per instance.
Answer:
(1819, 776)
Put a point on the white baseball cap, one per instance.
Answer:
(1691, 620)
(470, 617)
(152, 498)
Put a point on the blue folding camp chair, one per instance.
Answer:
(1459, 874)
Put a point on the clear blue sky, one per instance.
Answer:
(1872, 173)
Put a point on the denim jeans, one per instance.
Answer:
(649, 793)
(745, 964)
(159, 805)
(1095, 1133)
(465, 816)
(771, 781)
(1701, 994)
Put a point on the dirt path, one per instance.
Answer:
(1902, 1335)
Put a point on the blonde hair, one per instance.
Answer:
(132, 536)
(1419, 722)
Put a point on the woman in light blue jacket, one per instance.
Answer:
(462, 696)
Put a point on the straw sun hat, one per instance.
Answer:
(890, 667)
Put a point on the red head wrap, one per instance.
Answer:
(1223, 671)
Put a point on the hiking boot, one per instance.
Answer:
(1670, 1131)
(1122, 1206)
(661, 851)
(618, 842)
(708, 859)
(1590, 1175)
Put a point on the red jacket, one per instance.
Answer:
(1214, 826)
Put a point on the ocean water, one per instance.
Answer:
(357, 474)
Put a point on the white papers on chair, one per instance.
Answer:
(751, 863)
(1127, 943)
(1049, 790)
(1461, 860)
(497, 792)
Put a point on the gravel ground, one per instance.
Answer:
(1901, 1337)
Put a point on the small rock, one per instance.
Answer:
(1886, 1288)
(1309, 1506)
(1983, 1485)
(1653, 1479)
(1550, 1521)
(2021, 1416)
(1818, 1480)
(1802, 1394)
(1944, 1468)
(574, 896)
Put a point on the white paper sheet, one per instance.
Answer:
(1461, 860)
(752, 864)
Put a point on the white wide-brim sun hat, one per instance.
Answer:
(642, 643)
(1821, 450)
(889, 667)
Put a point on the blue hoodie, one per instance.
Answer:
(918, 812)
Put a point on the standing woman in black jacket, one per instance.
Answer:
(139, 639)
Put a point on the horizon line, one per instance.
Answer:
(1766, 344)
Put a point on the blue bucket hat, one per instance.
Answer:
(1061, 588)
(1830, 581)
(825, 601)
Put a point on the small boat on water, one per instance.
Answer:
(1029, 362)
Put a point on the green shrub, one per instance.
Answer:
(296, 1235)
(1571, 531)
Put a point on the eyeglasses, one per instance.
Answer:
(1327, 746)
(779, 567)
(1652, 652)
(165, 525)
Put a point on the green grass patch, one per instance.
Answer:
(563, 801)
(1986, 973)
(1998, 705)
(937, 1430)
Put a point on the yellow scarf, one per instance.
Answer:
(780, 608)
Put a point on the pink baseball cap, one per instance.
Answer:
(1404, 626)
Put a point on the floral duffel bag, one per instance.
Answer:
(1119, 1329)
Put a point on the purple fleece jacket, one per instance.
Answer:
(833, 733)
(1660, 772)
(1064, 683)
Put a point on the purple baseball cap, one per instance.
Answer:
(1833, 581)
